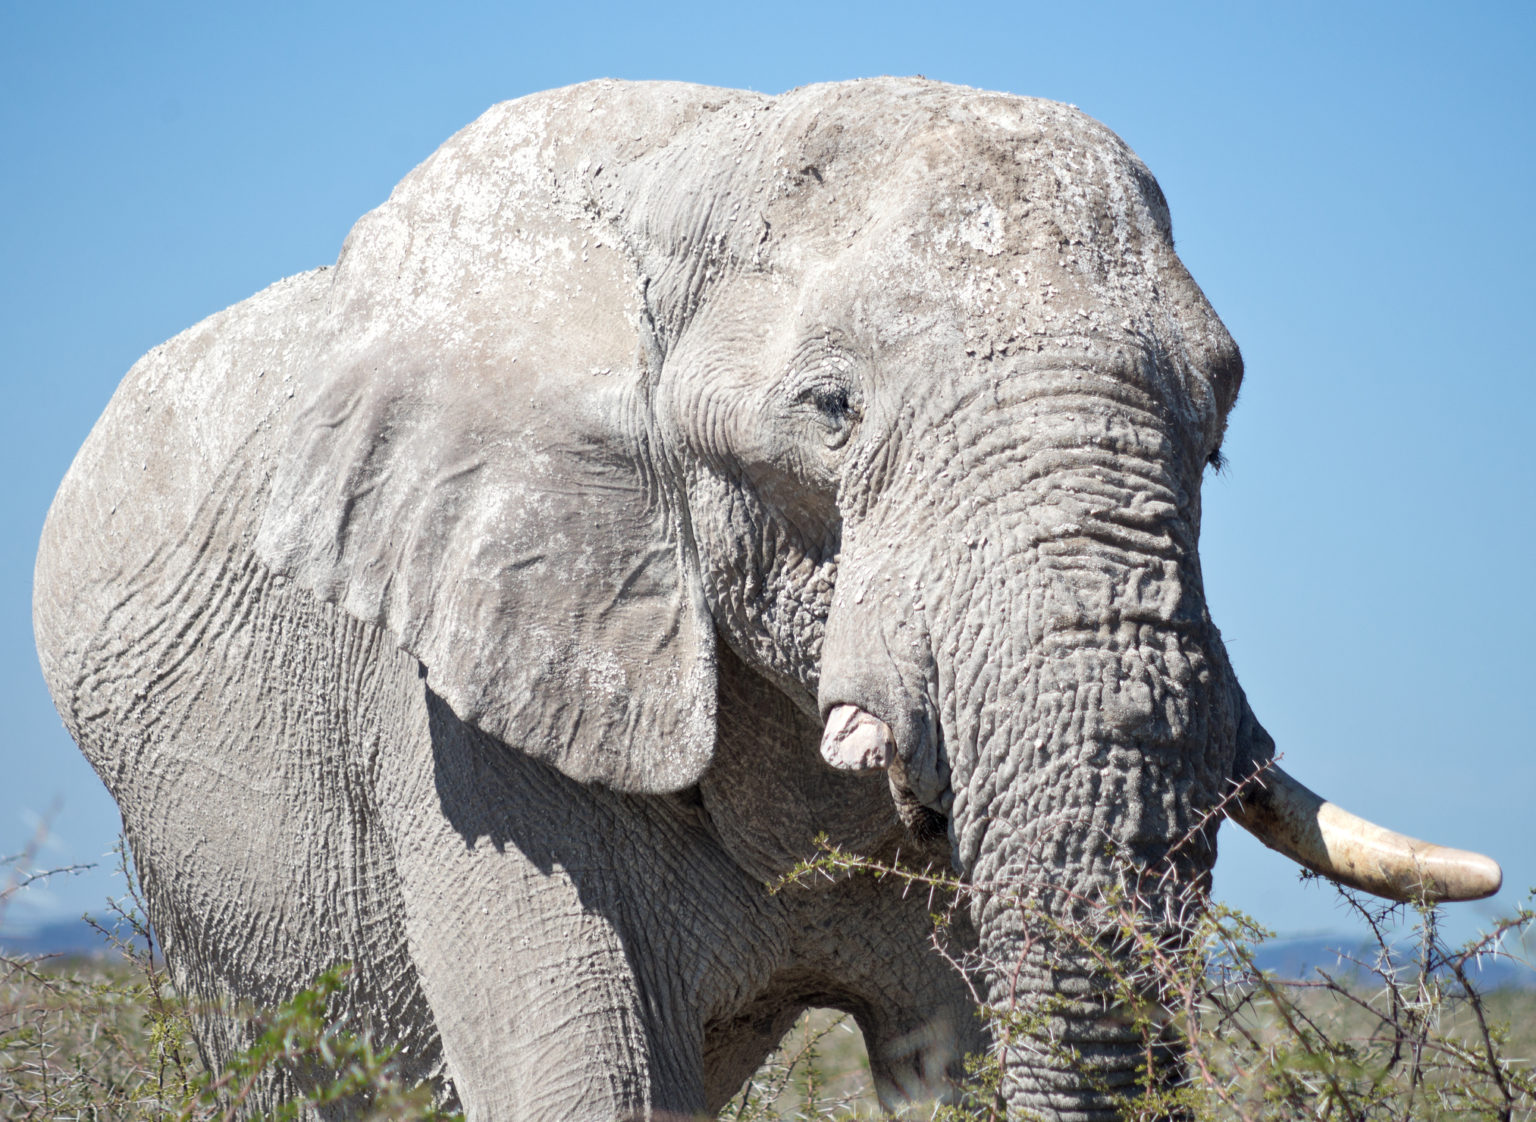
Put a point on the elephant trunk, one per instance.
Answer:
(1074, 1041)
(1060, 696)
(1073, 981)
(1075, 910)
(1077, 766)
(1083, 784)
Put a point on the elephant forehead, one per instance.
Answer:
(981, 252)
(1065, 228)
(976, 289)
(840, 126)
(933, 209)
(770, 179)
(986, 197)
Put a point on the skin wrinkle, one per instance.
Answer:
(991, 611)
(384, 991)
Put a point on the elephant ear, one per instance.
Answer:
(466, 463)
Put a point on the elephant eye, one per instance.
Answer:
(1216, 460)
(836, 410)
(833, 401)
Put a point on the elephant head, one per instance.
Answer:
(898, 390)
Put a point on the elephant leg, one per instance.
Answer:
(247, 806)
(735, 1047)
(865, 948)
(512, 920)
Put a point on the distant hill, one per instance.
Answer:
(60, 937)
(1301, 958)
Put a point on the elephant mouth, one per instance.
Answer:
(1279, 810)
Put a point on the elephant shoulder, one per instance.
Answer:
(187, 430)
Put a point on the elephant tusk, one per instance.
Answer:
(1291, 819)
(857, 741)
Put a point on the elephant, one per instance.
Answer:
(667, 482)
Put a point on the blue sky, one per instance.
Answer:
(1351, 184)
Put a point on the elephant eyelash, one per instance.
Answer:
(1216, 461)
(834, 401)
(834, 407)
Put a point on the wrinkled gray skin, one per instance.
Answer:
(469, 610)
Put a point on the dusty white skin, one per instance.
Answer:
(473, 610)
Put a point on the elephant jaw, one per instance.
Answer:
(1291, 819)
(1281, 812)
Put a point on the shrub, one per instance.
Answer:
(1396, 1033)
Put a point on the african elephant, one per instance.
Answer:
(663, 477)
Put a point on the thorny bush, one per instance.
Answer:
(1396, 1031)
(1390, 1034)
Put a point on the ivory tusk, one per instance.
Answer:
(856, 741)
(1291, 819)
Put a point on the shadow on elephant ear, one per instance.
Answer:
(758, 810)
(490, 792)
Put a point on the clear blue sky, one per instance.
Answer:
(1352, 185)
